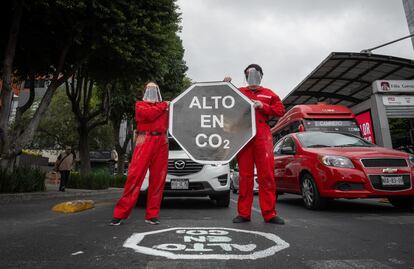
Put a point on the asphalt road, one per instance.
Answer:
(349, 234)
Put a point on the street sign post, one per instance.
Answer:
(212, 121)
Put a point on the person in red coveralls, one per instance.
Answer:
(259, 151)
(151, 152)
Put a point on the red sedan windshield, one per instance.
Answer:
(326, 139)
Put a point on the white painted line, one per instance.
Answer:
(205, 250)
(359, 263)
(253, 208)
(77, 253)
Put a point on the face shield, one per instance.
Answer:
(253, 77)
(152, 93)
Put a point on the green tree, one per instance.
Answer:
(107, 39)
(57, 128)
(49, 38)
(124, 95)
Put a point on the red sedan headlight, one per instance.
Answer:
(336, 161)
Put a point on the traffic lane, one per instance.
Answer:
(46, 239)
(327, 239)
(367, 231)
(315, 238)
(17, 215)
(34, 236)
(84, 239)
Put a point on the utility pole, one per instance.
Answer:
(409, 14)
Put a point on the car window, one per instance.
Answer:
(289, 143)
(278, 147)
(327, 139)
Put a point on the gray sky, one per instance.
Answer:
(287, 38)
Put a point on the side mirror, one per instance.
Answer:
(288, 150)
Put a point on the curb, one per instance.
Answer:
(28, 196)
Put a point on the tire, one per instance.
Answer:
(232, 188)
(223, 200)
(278, 194)
(404, 202)
(310, 194)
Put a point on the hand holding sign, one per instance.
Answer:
(258, 104)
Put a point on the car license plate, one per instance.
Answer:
(179, 183)
(392, 181)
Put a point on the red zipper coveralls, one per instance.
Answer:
(152, 153)
(259, 151)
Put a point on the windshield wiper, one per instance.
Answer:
(319, 146)
(351, 145)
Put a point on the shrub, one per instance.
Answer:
(22, 179)
(99, 179)
(94, 181)
(118, 181)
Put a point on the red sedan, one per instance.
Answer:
(325, 165)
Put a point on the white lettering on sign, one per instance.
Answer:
(214, 141)
(216, 102)
(212, 121)
(207, 243)
(226, 104)
(329, 123)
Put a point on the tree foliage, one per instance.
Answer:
(112, 40)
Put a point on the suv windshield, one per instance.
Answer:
(173, 145)
(340, 126)
(327, 139)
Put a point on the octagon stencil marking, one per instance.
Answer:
(206, 243)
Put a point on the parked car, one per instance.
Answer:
(186, 178)
(234, 183)
(324, 165)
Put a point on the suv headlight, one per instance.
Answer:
(411, 160)
(337, 161)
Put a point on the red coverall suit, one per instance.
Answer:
(151, 152)
(259, 151)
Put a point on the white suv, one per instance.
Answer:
(186, 178)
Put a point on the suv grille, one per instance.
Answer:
(377, 184)
(384, 162)
(179, 167)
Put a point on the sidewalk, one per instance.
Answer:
(52, 192)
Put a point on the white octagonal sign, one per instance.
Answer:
(212, 121)
(206, 243)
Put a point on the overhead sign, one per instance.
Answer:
(206, 243)
(212, 121)
(398, 100)
(385, 86)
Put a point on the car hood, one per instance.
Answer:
(359, 152)
(177, 154)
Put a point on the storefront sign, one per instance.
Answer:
(393, 86)
(398, 100)
(365, 124)
(215, 243)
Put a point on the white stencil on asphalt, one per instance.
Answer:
(206, 243)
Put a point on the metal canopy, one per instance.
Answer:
(345, 78)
